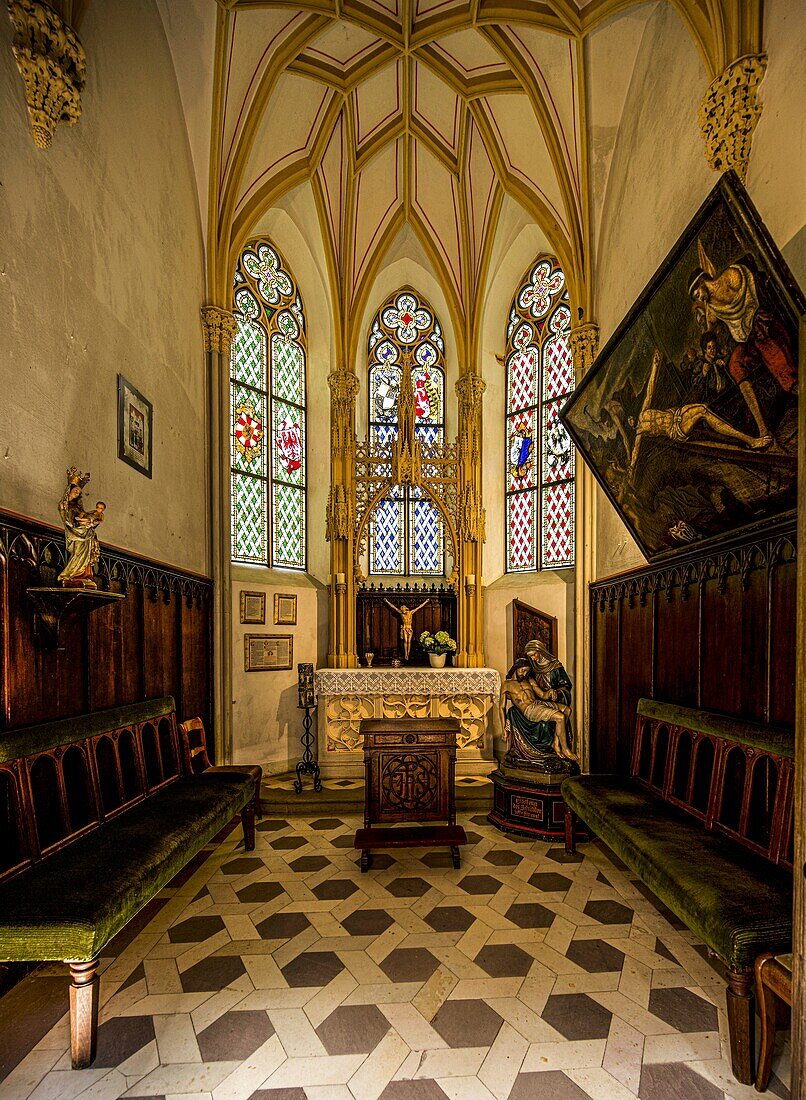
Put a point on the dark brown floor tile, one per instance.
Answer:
(260, 892)
(550, 882)
(27, 1013)
(210, 975)
(279, 1094)
(303, 864)
(353, 1029)
(504, 960)
(136, 975)
(334, 889)
(577, 1016)
(664, 952)
(412, 1090)
(378, 861)
(282, 926)
(244, 865)
(559, 855)
(271, 825)
(552, 1085)
(288, 843)
(530, 915)
(312, 968)
(437, 859)
(502, 857)
(408, 887)
(325, 823)
(345, 840)
(480, 884)
(609, 912)
(235, 1035)
(467, 1023)
(660, 1082)
(120, 1038)
(368, 922)
(683, 1010)
(450, 918)
(195, 929)
(409, 964)
(595, 956)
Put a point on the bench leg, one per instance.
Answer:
(741, 1022)
(768, 1013)
(248, 822)
(570, 836)
(84, 986)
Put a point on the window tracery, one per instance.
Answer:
(267, 407)
(407, 536)
(540, 458)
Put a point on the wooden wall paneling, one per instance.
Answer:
(637, 656)
(195, 664)
(160, 648)
(607, 687)
(782, 642)
(678, 649)
(734, 632)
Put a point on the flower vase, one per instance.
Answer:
(437, 660)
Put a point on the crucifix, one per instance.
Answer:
(406, 629)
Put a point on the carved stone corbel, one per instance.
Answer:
(584, 345)
(52, 65)
(219, 327)
(729, 113)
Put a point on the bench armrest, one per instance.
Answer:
(194, 746)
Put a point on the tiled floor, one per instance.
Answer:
(285, 974)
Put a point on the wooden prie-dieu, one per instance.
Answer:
(409, 768)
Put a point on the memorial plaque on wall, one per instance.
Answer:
(268, 652)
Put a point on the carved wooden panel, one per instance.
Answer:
(528, 623)
(378, 628)
(409, 765)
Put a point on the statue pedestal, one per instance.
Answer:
(529, 802)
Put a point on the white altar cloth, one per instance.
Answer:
(347, 695)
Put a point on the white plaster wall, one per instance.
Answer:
(101, 271)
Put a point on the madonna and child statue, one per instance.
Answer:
(535, 708)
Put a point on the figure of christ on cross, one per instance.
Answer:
(406, 614)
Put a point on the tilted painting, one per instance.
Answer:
(689, 416)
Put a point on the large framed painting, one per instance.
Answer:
(688, 418)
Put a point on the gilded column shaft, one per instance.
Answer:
(471, 521)
(339, 527)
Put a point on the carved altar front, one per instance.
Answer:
(346, 696)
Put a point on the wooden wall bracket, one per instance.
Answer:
(54, 606)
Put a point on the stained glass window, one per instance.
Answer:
(267, 413)
(540, 457)
(407, 536)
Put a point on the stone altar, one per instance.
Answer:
(345, 696)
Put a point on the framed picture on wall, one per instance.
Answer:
(268, 652)
(135, 427)
(253, 607)
(285, 610)
(689, 416)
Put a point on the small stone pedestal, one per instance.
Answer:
(529, 802)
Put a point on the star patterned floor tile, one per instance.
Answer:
(287, 974)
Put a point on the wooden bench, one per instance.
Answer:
(97, 814)
(705, 820)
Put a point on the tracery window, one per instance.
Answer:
(407, 536)
(267, 386)
(540, 458)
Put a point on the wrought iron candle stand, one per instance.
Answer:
(307, 702)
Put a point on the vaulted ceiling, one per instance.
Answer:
(424, 112)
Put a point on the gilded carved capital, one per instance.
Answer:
(219, 327)
(584, 345)
(52, 65)
(469, 389)
(729, 113)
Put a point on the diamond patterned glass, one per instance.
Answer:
(267, 437)
(406, 534)
(540, 458)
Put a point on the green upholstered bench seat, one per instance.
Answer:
(71, 904)
(734, 901)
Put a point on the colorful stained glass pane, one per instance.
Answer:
(521, 554)
(384, 387)
(426, 536)
(288, 443)
(386, 352)
(384, 432)
(265, 268)
(557, 549)
(248, 354)
(522, 378)
(558, 450)
(249, 518)
(386, 537)
(287, 369)
(521, 450)
(288, 526)
(558, 367)
(428, 386)
(248, 429)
